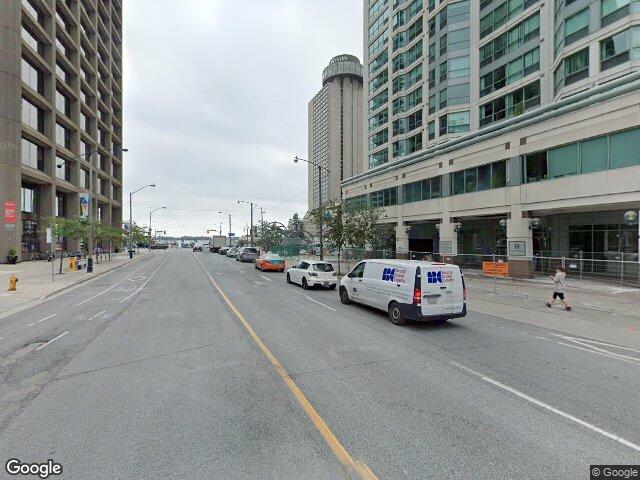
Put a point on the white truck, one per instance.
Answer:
(216, 242)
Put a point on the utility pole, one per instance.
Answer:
(251, 231)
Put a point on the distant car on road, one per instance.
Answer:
(159, 246)
(247, 254)
(231, 253)
(197, 248)
(223, 250)
(270, 261)
(310, 273)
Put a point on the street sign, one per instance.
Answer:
(9, 212)
(499, 269)
(232, 234)
(49, 236)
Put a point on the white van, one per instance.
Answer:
(407, 289)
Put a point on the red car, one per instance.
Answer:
(270, 261)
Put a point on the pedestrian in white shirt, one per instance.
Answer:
(558, 291)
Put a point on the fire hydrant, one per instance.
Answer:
(13, 281)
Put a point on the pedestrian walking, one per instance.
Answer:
(559, 288)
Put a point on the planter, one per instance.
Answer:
(12, 259)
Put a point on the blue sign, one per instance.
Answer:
(434, 277)
(387, 274)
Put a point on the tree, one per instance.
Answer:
(69, 228)
(295, 227)
(362, 226)
(269, 235)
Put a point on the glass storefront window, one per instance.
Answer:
(594, 154)
(624, 148)
(563, 161)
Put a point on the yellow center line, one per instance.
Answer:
(354, 468)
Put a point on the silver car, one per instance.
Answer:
(247, 254)
(231, 253)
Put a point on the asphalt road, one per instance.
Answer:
(151, 372)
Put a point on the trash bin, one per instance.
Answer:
(89, 264)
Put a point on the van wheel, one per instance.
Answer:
(288, 279)
(395, 314)
(305, 285)
(344, 296)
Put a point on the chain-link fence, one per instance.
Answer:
(621, 268)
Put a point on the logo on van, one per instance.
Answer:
(434, 277)
(387, 274)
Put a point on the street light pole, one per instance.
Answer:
(251, 231)
(229, 226)
(131, 215)
(320, 206)
(150, 213)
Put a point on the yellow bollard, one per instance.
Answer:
(73, 264)
(13, 281)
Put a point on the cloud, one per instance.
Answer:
(215, 103)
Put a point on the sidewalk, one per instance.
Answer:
(35, 285)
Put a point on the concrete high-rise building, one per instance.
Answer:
(60, 117)
(504, 126)
(335, 128)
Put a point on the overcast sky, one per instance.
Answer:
(215, 104)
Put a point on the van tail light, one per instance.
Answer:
(465, 294)
(417, 296)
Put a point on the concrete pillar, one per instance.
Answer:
(519, 244)
(448, 240)
(10, 124)
(402, 240)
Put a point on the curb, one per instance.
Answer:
(48, 296)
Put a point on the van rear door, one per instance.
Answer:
(432, 290)
(453, 294)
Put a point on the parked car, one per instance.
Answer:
(270, 261)
(407, 290)
(310, 273)
(247, 254)
(231, 253)
(159, 246)
(223, 250)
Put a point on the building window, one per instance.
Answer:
(29, 200)
(405, 38)
(63, 136)
(32, 41)
(378, 101)
(502, 14)
(407, 80)
(454, 123)
(572, 69)
(84, 178)
(33, 77)
(32, 154)
(612, 10)
(422, 190)
(407, 124)
(60, 205)
(376, 7)
(458, 67)
(614, 50)
(403, 104)
(63, 104)
(378, 158)
(378, 43)
(378, 62)
(477, 179)
(378, 119)
(407, 146)
(616, 150)
(576, 26)
(380, 22)
(378, 139)
(511, 105)
(384, 198)
(432, 129)
(32, 115)
(379, 80)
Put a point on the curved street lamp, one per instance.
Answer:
(131, 215)
(321, 214)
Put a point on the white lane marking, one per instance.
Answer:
(52, 340)
(615, 357)
(40, 321)
(325, 306)
(548, 407)
(145, 283)
(112, 286)
(596, 349)
(267, 279)
(596, 343)
(97, 315)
